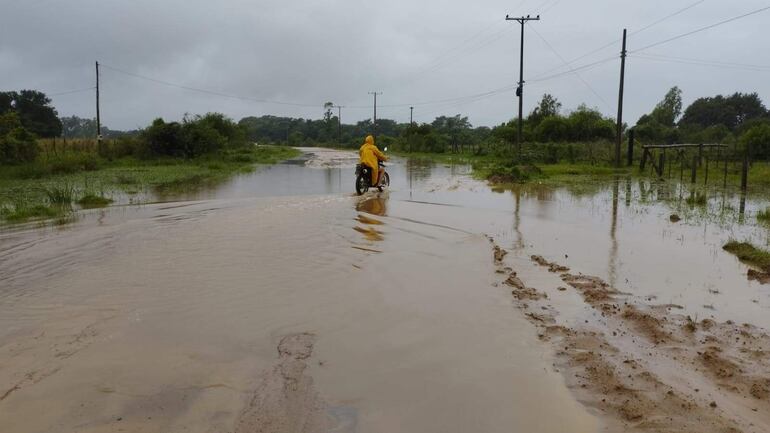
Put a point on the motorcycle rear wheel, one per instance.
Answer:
(385, 181)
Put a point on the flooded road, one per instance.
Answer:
(279, 302)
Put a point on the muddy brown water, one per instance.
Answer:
(279, 302)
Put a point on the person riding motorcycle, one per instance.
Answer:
(370, 156)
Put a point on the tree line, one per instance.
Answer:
(553, 132)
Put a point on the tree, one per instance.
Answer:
(455, 128)
(732, 111)
(669, 109)
(659, 126)
(548, 106)
(34, 110)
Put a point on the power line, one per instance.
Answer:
(577, 74)
(698, 30)
(684, 61)
(68, 92)
(716, 62)
(575, 69)
(667, 17)
(615, 41)
(209, 92)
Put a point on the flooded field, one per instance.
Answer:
(281, 302)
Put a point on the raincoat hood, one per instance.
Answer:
(369, 140)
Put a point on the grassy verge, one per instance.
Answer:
(48, 187)
(749, 254)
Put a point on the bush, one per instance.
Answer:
(758, 141)
(17, 145)
(195, 136)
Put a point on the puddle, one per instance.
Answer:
(167, 317)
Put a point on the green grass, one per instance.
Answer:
(60, 194)
(749, 254)
(21, 210)
(764, 215)
(90, 201)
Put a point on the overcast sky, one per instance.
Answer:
(310, 52)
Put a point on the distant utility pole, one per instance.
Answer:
(98, 119)
(374, 119)
(339, 123)
(620, 100)
(411, 115)
(520, 89)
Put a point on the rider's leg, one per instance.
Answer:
(375, 176)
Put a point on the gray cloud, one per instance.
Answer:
(338, 50)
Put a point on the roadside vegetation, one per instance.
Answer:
(749, 254)
(44, 175)
(559, 143)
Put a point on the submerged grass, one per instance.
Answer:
(60, 194)
(35, 190)
(697, 199)
(90, 201)
(764, 215)
(749, 254)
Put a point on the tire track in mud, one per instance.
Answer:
(646, 367)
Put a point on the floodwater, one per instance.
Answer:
(280, 302)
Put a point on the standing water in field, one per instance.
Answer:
(278, 301)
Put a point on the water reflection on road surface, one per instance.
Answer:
(175, 316)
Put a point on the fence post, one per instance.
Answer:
(694, 168)
(725, 180)
(706, 182)
(745, 170)
(644, 159)
(661, 163)
(700, 155)
(631, 147)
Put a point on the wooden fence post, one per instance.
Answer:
(745, 170)
(631, 147)
(694, 168)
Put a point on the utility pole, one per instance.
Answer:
(374, 119)
(520, 90)
(98, 119)
(339, 123)
(411, 116)
(620, 101)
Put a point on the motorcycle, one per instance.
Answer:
(364, 178)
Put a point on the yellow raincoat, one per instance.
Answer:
(370, 156)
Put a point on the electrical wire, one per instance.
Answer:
(208, 92)
(577, 74)
(68, 92)
(706, 61)
(701, 29)
(615, 41)
(701, 63)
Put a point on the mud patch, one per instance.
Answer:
(286, 400)
(759, 276)
(648, 368)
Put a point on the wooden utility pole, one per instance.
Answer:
(339, 123)
(620, 101)
(520, 88)
(411, 116)
(374, 119)
(98, 118)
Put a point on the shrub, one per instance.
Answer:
(17, 145)
(757, 139)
